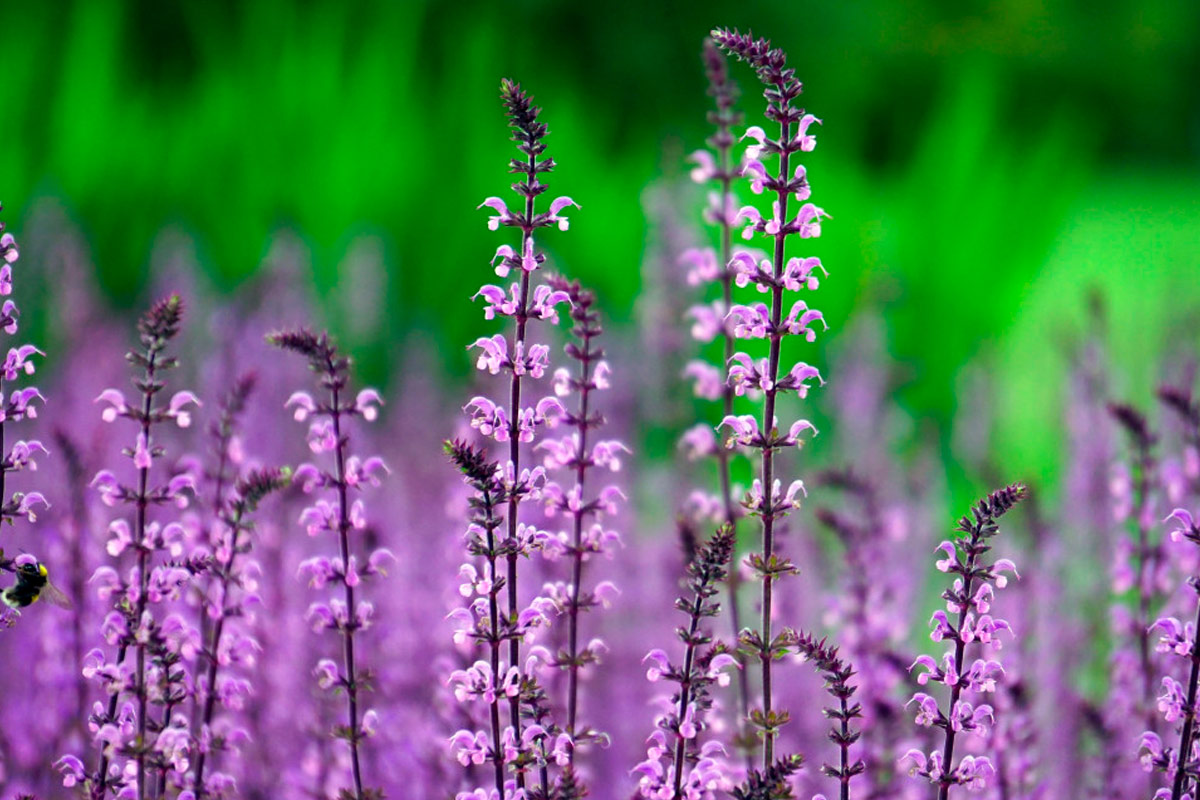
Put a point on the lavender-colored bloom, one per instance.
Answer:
(970, 598)
(226, 642)
(515, 424)
(341, 515)
(1139, 565)
(708, 266)
(678, 766)
(137, 753)
(16, 405)
(574, 455)
(766, 500)
(1181, 764)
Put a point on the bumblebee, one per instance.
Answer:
(33, 582)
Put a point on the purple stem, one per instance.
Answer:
(349, 675)
(768, 424)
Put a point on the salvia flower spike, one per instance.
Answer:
(484, 681)
(677, 764)
(968, 620)
(1139, 564)
(773, 276)
(511, 422)
(574, 498)
(16, 404)
(143, 743)
(1180, 764)
(708, 266)
(341, 514)
(226, 640)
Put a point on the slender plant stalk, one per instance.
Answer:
(518, 344)
(960, 647)
(1148, 554)
(235, 515)
(689, 665)
(343, 531)
(724, 93)
(143, 559)
(1189, 719)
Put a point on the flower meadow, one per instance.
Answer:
(232, 569)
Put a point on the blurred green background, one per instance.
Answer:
(988, 166)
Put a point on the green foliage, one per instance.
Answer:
(969, 159)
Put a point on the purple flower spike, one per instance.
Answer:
(16, 406)
(573, 457)
(713, 268)
(340, 516)
(150, 675)
(667, 771)
(786, 181)
(1177, 701)
(531, 742)
(965, 622)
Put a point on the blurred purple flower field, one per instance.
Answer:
(280, 583)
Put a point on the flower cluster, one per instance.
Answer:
(578, 503)
(142, 738)
(709, 266)
(16, 404)
(513, 423)
(678, 764)
(969, 599)
(1140, 568)
(230, 650)
(772, 276)
(339, 514)
(1181, 764)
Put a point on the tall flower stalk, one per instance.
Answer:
(339, 514)
(15, 405)
(225, 452)
(491, 683)
(483, 680)
(774, 277)
(1136, 505)
(138, 722)
(707, 266)
(970, 598)
(1181, 764)
(226, 640)
(580, 503)
(677, 766)
(518, 357)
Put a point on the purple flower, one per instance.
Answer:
(338, 514)
(149, 674)
(766, 321)
(969, 600)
